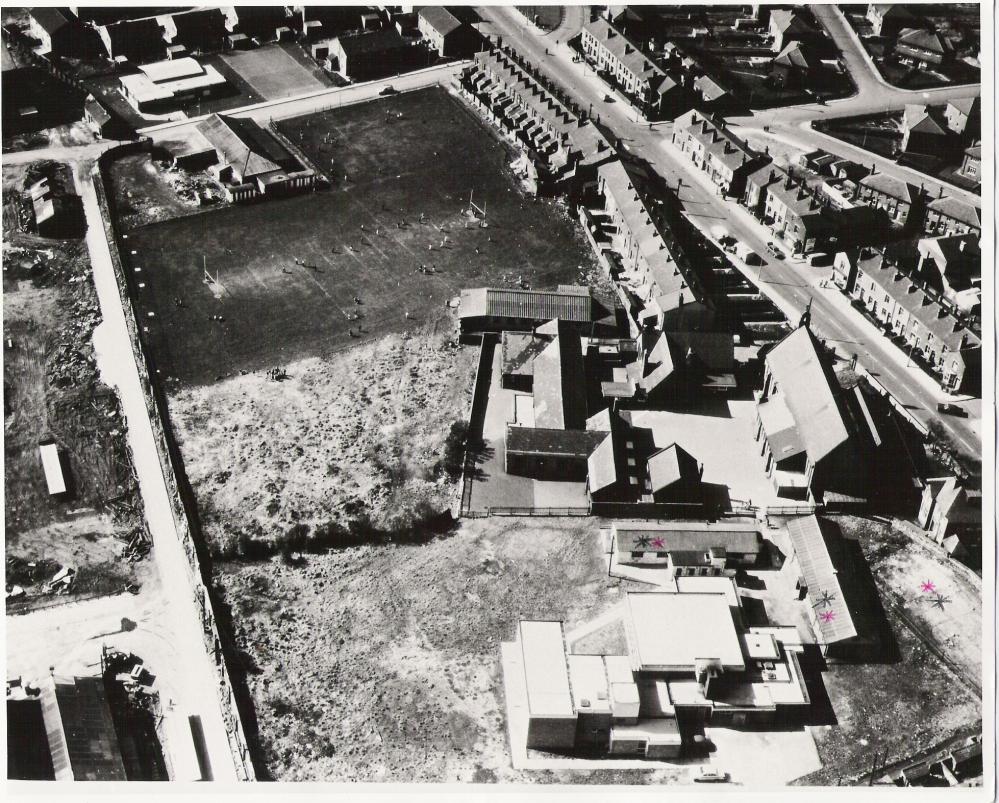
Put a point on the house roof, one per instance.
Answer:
(892, 10)
(922, 39)
(975, 151)
(925, 120)
(671, 630)
(825, 594)
(965, 105)
(96, 110)
(807, 388)
(601, 471)
(538, 305)
(628, 53)
(890, 186)
(559, 382)
(788, 22)
(709, 88)
(959, 504)
(670, 466)
(374, 42)
(50, 19)
(440, 19)
(957, 209)
(139, 38)
(794, 55)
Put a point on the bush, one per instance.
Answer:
(453, 459)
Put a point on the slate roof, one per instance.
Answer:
(440, 19)
(374, 42)
(50, 19)
(957, 209)
(825, 594)
(925, 120)
(892, 187)
(922, 39)
(794, 55)
(140, 39)
(565, 442)
(807, 388)
(96, 110)
(670, 466)
(629, 54)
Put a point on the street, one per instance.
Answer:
(790, 283)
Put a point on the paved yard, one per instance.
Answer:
(763, 758)
(492, 486)
(723, 442)
(273, 73)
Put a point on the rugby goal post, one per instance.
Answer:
(474, 210)
(213, 282)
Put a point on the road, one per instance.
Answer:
(790, 283)
(312, 102)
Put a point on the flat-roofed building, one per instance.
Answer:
(551, 715)
(55, 480)
(687, 547)
(165, 86)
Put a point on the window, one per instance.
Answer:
(662, 554)
(631, 461)
(638, 555)
(633, 480)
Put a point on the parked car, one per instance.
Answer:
(708, 775)
(774, 250)
(951, 409)
(387, 90)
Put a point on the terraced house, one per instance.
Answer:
(667, 293)
(726, 159)
(901, 200)
(949, 215)
(930, 328)
(563, 150)
(634, 72)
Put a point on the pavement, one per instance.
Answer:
(116, 362)
(325, 99)
(790, 284)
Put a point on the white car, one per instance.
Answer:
(709, 775)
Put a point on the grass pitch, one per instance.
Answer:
(290, 270)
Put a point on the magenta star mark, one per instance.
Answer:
(658, 543)
(928, 586)
(827, 616)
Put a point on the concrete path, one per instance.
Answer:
(199, 686)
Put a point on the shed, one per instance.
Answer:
(52, 466)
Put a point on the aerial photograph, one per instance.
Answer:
(667, 467)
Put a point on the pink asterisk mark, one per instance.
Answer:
(928, 586)
(827, 616)
(658, 543)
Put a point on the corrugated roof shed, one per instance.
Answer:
(835, 621)
(82, 737)
(540, 305)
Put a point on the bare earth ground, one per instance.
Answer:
(52, 390)
(381, 663)
(361, 428)
(900, 708)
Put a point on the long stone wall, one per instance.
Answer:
(196, 574)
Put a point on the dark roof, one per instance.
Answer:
(670, 466)
(687, 536)
(82, 737)
(440, 19)
(199, 24)
(539, 305)
(541, 441)
(28, 757)
(957, 209)
(893, 187)
(51, 19)
(140, 39)
(921, 39)
(97, 111)
(374, 42)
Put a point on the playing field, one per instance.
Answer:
(289, 270)
(272, 72)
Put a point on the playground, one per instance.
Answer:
(422, 203)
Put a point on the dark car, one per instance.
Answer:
(951, 409)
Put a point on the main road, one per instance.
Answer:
(790, 283)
